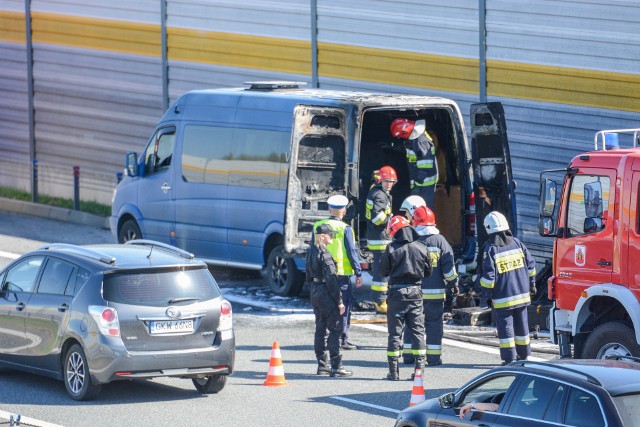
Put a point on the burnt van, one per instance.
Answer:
(239, 176)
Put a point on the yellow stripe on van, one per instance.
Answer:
(101, 34)
(446, 73)
(573, 86)
(238, 50)
(13, 27)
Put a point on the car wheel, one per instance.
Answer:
(129, 231)
(209, 385)
(284, 277)
(611, 339)
(77, 378)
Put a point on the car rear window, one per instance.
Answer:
(160, 288)
(629, 409)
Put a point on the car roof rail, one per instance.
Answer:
(79, 250)
(533, 364)
(622, 357)
(159, 245)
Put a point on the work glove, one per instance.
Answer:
(532, 289)
(484, 302)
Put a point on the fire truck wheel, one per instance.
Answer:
(611, 339)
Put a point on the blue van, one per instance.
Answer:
(238, 176)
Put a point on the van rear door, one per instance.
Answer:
(492, 178)
(317, 170)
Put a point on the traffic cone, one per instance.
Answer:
(275, 376)
(417, 392)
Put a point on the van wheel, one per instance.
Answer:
(611, 339)
(210, 385)
(284, 277)
(77, 378)
(129, 231)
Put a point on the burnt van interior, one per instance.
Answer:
(378, 148)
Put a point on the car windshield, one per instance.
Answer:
(160, 288)
(629, 409)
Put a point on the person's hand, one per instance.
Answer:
(532, 289)
(465, 410)
(358, 281)
(342, 308)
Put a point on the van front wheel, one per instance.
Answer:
(129, 231)
(284, 277)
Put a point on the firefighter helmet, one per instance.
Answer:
(423, 216)
(411, 203)
(387, 173)
(396, 223)
(494, 222)
(402, 128)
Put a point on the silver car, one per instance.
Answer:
(89, 315)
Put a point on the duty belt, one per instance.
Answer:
(403, 285)
(319, 281)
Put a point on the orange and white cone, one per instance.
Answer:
(275, 376)
(417, 393)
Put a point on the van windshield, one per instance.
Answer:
(158, 288)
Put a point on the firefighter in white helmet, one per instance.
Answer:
(508, 279)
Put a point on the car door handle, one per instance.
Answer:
(165, 187)
(604, 263)
(20, 306)
(63, 307)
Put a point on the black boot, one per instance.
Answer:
(418, 365)
(337, 370)
(394, 369)
(323, 365)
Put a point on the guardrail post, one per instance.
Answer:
(76, 188)
(34, 192)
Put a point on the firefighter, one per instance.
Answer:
(345, 253)
(443, 277)
(406, 262)
(508, 279)
(326, 300)
(378, 213)
(421, 157)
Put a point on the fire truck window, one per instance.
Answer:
(588, 204)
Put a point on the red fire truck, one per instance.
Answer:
(594, 217)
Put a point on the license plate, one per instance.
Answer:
(157, 327)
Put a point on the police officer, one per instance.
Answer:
(378, 213)
(508, 279)
(434, 287)
(406, 262)
(345, 253)
(421, 157)
(326, 300)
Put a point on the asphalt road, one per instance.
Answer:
(364, 399)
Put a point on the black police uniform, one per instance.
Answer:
(508, 277)
(406, 262)
(325, 299)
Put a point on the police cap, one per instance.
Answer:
(325, 229)
(337, 202)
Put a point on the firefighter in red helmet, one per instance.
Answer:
(421, 157)
(406, 262)
(378, 214)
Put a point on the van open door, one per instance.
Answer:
(317, 170)
(493, 183)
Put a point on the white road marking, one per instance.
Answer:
(25, 420)
(449, 342)
(8, 255)
(370, 405)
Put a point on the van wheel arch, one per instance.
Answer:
(128, 229)
(281, 272)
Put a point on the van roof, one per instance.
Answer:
(286, 99)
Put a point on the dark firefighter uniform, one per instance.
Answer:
(406, 262)
(434, 289)
(508, 275)
(378, 213)
(344, 251)
(423, 167)
(326, 300)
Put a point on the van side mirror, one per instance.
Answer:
(446, 400)
(131, 164)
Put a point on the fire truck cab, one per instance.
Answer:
(594, 217)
